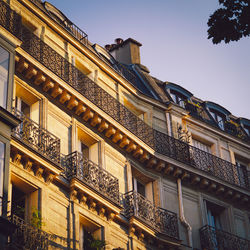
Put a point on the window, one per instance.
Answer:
(214, 215)
(217, 215)
(4, 68)
(202, 146)
(88, 146)
(247, 129)
(143, 184)
(24, 199)
(139, 187)
(242, 172)
(2, 154)
(23, 107)
(89, 232)
(219, 118)
(27, 103)
(178, 98)
(84, 149)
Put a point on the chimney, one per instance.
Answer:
(127, 52)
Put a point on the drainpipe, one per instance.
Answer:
(182, 216)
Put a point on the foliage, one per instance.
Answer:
(19, 211)
(91, 243)
(231, 22)
(36, 219)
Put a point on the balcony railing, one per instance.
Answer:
(26, 236)
(162, 220)
(36, 137)
(74, 30)
(81, 168)
(160, 142)
(200, 159)
(214, 239)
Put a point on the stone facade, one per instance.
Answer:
(100, 152)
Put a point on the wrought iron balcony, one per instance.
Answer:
(200, 159)
(162, 220)
(26, 236)
(160, 142)
(74, 30)
(214, 239)
(81, 168)
(36, 137)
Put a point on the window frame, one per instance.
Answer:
(178, 98)
(10, 48)
(97, 141)
(5, 184)
(228, 210)
(216, 115)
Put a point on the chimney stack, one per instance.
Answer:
(127, 52)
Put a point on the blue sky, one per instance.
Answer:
(174, 41)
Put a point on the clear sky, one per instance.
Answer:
(174, 41)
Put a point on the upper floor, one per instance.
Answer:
(84, 114)
(143, 118)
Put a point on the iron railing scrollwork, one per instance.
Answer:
(10, 20)
(93, 175)
(201, 160)
(160, 142)
(74, 30)
(27, 236)
(160, 219)
(214, 239)
(38, 138)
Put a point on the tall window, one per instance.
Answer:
(214, 215)
(88, 146)
(202, 146)
(2, 153)
(23, 107)
(139, 187)
(90, 234)
(242, 172)
(4, 67)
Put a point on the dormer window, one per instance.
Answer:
(178, 94)
(245, 124)
(218, 113)
(219, 118)
(178, 98)
(247, 129)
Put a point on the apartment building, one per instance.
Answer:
(96, 152)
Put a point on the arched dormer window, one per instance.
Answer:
(178, 94)
(105, 55)
(245, 123)
(57, 14)
(218, 113)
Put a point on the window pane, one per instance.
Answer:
(173, 96)
(4, 67)
(2, 153)
(201, 146)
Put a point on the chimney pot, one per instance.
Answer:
(127, 51)
(119, 40)
(107, 46)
